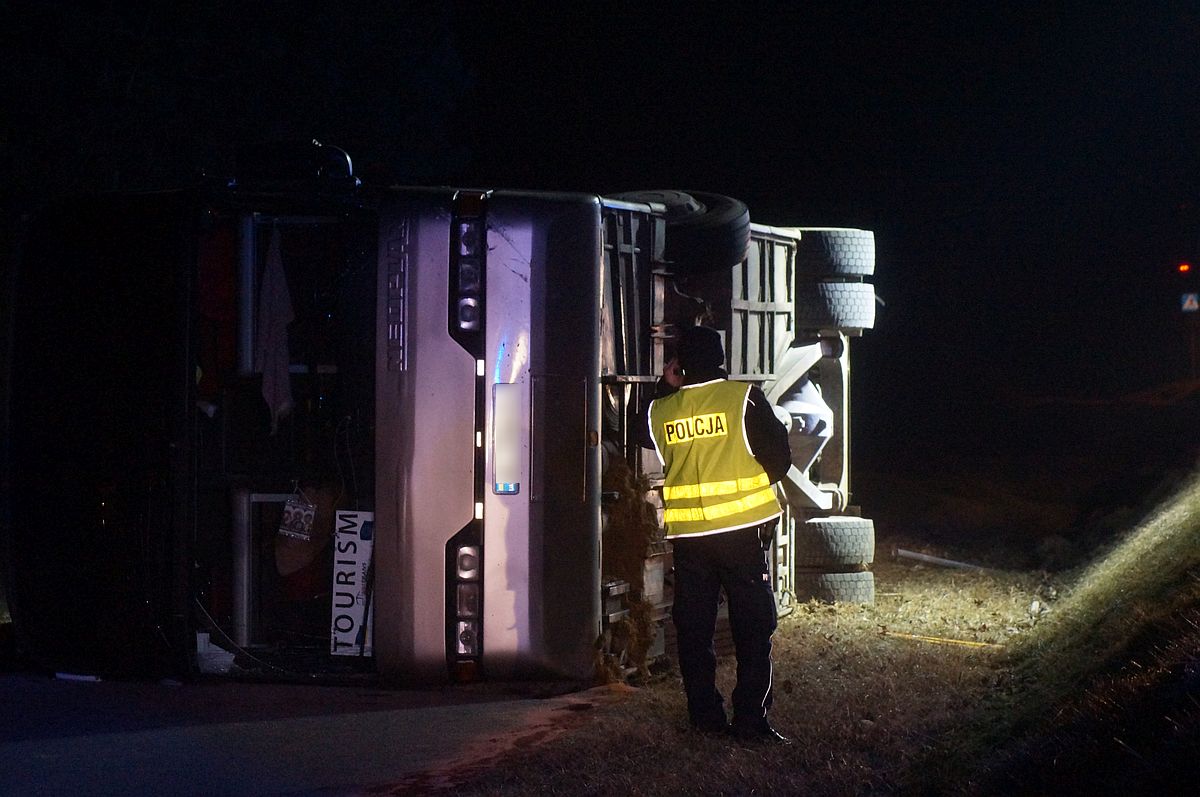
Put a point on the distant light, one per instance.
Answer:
(1185, 268)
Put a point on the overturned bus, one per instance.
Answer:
(302, 429)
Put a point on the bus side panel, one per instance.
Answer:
(425, 441)
(512, 630)
(541, 548)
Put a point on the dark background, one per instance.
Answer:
(1031, 171)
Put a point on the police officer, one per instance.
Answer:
(721, 448)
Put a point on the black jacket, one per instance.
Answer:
(768, 437)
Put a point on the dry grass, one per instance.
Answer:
(1074, 668)
(860, 705)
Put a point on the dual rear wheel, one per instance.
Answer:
(831, 294)
(831, 556)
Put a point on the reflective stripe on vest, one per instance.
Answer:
(716, 488)
(718, 511)
(713, 482)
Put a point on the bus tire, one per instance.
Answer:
(705, 232)
(835, 542)
(835, 305)
(836, 253)
(836, 587)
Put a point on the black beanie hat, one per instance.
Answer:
(700, 348)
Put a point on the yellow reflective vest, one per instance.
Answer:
(713, 482)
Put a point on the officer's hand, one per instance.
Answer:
(672, 374)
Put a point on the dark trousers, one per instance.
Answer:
(737, 562)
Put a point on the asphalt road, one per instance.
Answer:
(64, 737)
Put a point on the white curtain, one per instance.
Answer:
(271, 356)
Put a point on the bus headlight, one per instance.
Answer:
(468, 600)
(469, 277)
(467, 638)
(464, 602)
(468, 314)
(468, 237)
(468, 255)
(467, 563)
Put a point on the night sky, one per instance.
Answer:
(1031, 172)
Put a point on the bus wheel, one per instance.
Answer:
(836, 587)
(705, 232)
(847, 306)
(836, 253)
(833, 542)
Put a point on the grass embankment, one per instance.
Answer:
(1104, 696)
(1024, 684)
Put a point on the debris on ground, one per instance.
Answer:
(631, 529)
